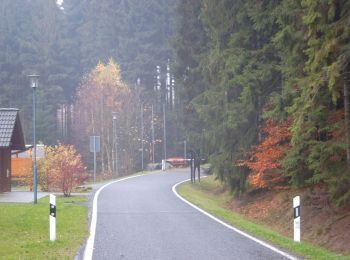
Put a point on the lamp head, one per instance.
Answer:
(34, 80)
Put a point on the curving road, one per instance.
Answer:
(141, 218)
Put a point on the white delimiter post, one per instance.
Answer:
(296, 207)
(52, 217)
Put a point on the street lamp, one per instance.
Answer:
(142, 129)
(152, 131)
(164, 135)
(114, 117)
(34, 82)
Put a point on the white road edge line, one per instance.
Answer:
(231, 227)
(89, 248)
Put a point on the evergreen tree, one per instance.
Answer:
(135, 33)
(318, 132)
(28, 46)
(240, 68)
(272, 59)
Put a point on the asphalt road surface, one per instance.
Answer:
(141, 218)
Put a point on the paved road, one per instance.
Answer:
(141, 218)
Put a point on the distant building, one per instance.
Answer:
(11, 140)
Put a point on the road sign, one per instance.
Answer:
(95, 146)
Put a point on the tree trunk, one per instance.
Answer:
(259, 119)
(103, 138)
(347, 118)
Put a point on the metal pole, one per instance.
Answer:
(65, 121)
(116, 150)
(152, 128)
(34, 148)
(142, 137)
(185, 150)
(116, 158)
(116, 155)
(164, 132)
(115, 143)
(94, 159)
(62, 124)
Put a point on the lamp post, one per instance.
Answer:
(34, 81)
(142, 129)
(152, 131)
(114, 116)
(164, 134)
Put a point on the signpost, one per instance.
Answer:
(296, 207)
(95, 147)
(52, 217)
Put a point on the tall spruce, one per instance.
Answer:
(239, 69)
(269, 60)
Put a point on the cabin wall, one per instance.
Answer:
(5, 170)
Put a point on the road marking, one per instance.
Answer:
(89, 249)
(231, 227)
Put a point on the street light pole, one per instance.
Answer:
(152, 129)
(34, 84)
(164, 121)
(114, 114)
(142, 137)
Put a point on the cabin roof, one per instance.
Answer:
(11, 134)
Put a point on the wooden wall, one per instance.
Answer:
(5, 170)
(21, 167)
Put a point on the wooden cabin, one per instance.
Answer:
(11, 139)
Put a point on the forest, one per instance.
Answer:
(75, 43)
(266, 91)
(259, 87)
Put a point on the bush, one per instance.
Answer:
(62, 169)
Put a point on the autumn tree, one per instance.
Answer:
(102, 92)
(265, 158)
(63, 168)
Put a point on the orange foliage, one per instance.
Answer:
(63, 168)
(102, 92)
(264, 161)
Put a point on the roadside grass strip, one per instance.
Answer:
(24, 229)
(202, 196)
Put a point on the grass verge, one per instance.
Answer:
(24, 229)
(203, 195)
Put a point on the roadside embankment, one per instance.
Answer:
(269, 216)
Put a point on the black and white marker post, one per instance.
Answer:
(296, 206)
(52, 217)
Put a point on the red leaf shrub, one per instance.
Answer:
(264, 161)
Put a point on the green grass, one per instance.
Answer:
(202, 195)
(24, 229)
